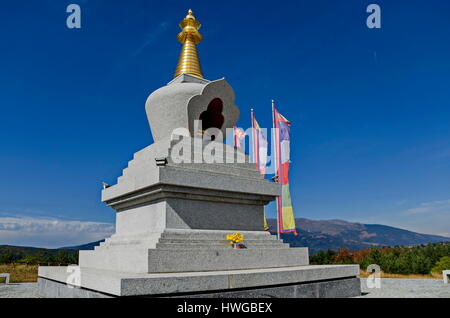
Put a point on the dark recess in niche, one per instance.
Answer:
(213, 117)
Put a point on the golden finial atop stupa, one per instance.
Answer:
(189, 62)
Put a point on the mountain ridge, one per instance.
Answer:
(334, 234)
(82, 247)
(317, 235)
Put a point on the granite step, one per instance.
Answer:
(161, 260)
(215, 235)
(214, 245)
(334, 278)
(142, 260)
(220, 241)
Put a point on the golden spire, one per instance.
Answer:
(189, 63)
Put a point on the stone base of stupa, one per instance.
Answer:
(324, 281)
(198, 263)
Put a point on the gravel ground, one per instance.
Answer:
(390, 288)
(28, 290)
(407, 288)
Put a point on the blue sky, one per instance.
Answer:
(370, 108)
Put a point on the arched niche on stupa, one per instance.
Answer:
(181, 103)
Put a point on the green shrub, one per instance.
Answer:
(404, 260)
(442, 265)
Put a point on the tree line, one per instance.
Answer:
(37, 256)
(406, 260)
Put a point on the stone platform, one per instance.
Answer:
(288, 282)
(198, 263)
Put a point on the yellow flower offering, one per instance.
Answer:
(235, 238)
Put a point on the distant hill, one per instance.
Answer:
(36, 255)
(317, 235)
(10, 254)
(334, 234)
(84, 247)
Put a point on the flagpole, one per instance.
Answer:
(256, 144)
(253, 135)
(276, 166)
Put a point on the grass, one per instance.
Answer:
(364, 274)
(20, 273)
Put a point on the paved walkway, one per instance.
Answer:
(390, 288)
(407, 288)
(28, 290)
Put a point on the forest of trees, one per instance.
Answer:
(37, 256)
(422, 259)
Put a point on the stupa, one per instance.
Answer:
(175, 207)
